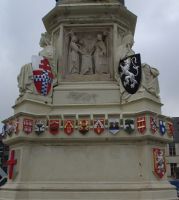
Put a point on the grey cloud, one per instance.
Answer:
(156, 38)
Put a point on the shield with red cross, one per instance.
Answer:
(141, 124)
(11, 163)
(99, 126)
(42, 75)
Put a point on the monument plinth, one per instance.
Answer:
(88, 122)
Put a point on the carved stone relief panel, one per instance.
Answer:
(87, 53)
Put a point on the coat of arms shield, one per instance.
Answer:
(42, 75)
(27, 125)
(54, 126)
(40, 126)
(69, 126)
(130, 73)
(159, 162)
(162, 127)
(84, 126)
(153, 124)
(114, 125)
(129, 125)
(141, 124)
(99, 126)
(170, 129)
(11, 127)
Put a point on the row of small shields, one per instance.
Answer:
(114, 125)
(83, 126)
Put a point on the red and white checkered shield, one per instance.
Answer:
(42, 75)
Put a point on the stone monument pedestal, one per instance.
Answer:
(88, 167)
(88, 139)
(91, 167)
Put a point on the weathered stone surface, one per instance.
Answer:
(85, 41)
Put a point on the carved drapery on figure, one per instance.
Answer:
(48, 50)
(74, 53)
(150, 80)
(25, 79)
(86, 67)
(149, 74)
(87, 53)
(100, 56)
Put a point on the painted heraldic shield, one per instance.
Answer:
(170, 129)
(69, 126)
(162, 127)
(27, 125)
(54, 126)
(141, 124)
(99, 126)
(114, 126)
(130, 73)
(159, 162)
(129, 125)
(153, 124)
(84, 126)
(40, 126)
(42, 75)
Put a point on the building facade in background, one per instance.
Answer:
(173, 153)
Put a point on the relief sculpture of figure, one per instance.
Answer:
(86, 59)
(48, 50)
(74, 53)
(100, 56)
(25, 79)
(150, 80)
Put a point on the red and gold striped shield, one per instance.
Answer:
(141, 124)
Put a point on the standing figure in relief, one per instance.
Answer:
(74, 61)
(86, 59)
(100, 53)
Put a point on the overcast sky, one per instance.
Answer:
(156, 38)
